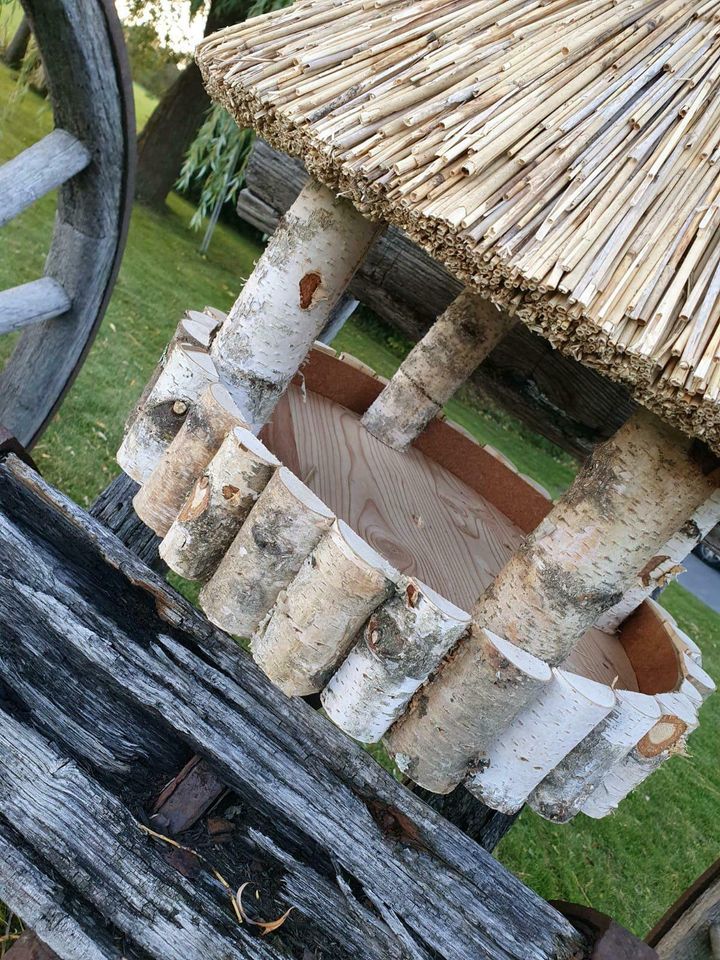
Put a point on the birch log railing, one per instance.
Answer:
(89, 156)
(117, 674)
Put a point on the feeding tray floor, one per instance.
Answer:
(422, 518)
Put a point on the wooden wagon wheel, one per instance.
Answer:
(90, 157)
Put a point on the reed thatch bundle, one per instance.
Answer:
(561, 156)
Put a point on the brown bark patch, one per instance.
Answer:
(309, 285)
(229, 491)
(196, 504)
(650, 566)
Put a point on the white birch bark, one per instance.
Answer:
(664, 740)
(680, 640)
(188, 372)
(315, 620)
(563, 793)
(539, 738)
(194, 330)
(631, 495)
(696, 677)
(281, 530)
(400, 645)
(497, 679)
(667, 565)
(289, 297)
(208, 422)
(217, 505)
(460, 339)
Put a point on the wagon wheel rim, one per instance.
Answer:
(90, 157)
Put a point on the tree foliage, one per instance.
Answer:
(216, 160)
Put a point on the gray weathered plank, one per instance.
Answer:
(114, 509)
(559, 397)
(30, 303)
(276, 754)
(63, 922)
(90, 838)
(39, 169)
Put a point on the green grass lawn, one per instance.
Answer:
(632, 865)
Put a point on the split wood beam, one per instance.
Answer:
(307, 780)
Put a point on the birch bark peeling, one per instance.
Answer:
(564, 792)
(217, 505)
(194, 330)
(666, 739)
(461, 338)
(667, 565)
(315, 620)
(189, 371)
(281, 530)
(698, 679)
(289, 297)
(539, 738)
(401, 644)
(207, 424)
(438, 747)
(605, 528)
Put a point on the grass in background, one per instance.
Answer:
(632, 865)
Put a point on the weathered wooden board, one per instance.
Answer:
(31, 303)
(419, 516)
(684, 933)
(67, 579)
(562, 399)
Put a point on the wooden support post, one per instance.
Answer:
(541, 735)
(402, 642)
(207, 424)
(289, 298)
(217, 505)
(188, 372)
(626, 502)
(316, 618)
(283, 527)
(435, 368)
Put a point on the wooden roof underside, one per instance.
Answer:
(562, 157)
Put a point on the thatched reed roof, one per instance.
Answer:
(562, 156)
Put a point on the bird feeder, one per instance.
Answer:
(560, 161)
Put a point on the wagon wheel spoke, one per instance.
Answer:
(47, 164)
(40, 168)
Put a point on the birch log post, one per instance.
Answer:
(664, 740)
(505, 678)
(188, 372)
(538, 739)
(402, 642)
(289, 298)
(564, 792)
(161, 498)
(667, 564)
(574, 566)
(462, 337)
(217, 505)
(315, 620)
(194, 330)
(281, 530)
